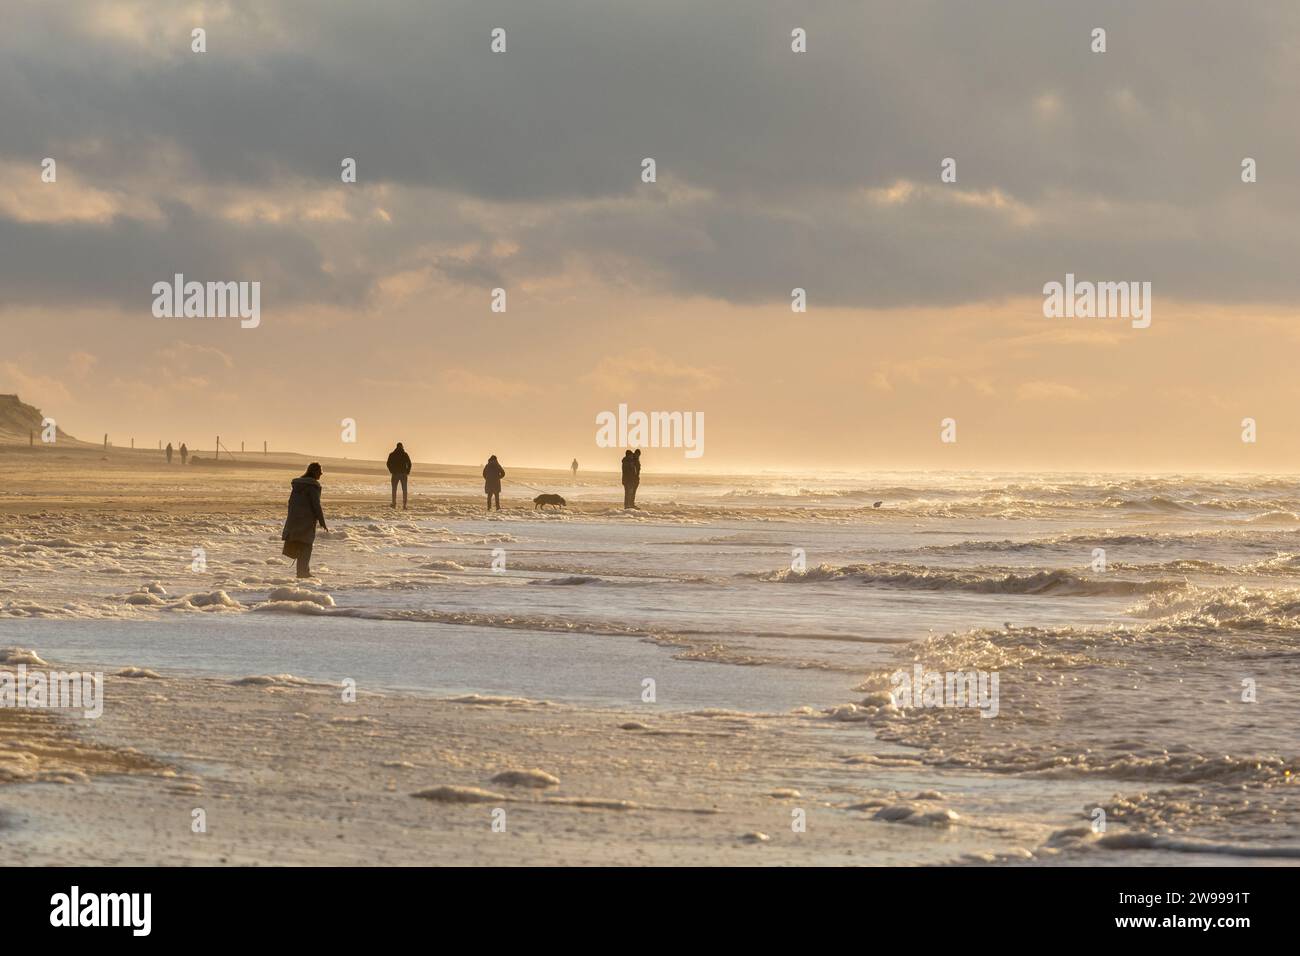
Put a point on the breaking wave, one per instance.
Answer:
(979, 581)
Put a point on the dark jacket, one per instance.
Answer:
(631, 471)
(399, 462)
(492, 475)
(304, 511)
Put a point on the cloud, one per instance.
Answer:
(186, 358)
(472, 383)
(1048, 392)
(522, 170)
(1067, 160)
(81, 363)
(645, 370)
(115, 264)
(44, 391)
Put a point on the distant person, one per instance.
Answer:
(492, 475)
(299, 532)
(636, 458)
(185, 453)
(399, 466)
(574, 468)
(169, 453)
(629, 480)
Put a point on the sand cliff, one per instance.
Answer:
(21, 423)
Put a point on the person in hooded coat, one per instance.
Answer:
(305, 514)
(399, 466)
(492, 475)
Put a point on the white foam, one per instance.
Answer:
(212, 600)
(20, 655)
(144, 599)
(138, 672)
(296, 595)
(274, 680)
(537, 779)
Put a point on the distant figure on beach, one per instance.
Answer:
(631, 476)
(169, 453)
(574, 467)
(636, 458)
(399, 466)
(185, 453)
(492, 475)
(299, 532)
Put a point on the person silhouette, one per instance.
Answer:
(399, 467)
(629, 480)
(299, 534)
(574, 467)
(492, 475)
(169, 453)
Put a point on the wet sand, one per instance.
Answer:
(777, 747)
(288, 773)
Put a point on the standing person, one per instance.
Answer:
(492, 475)
(185, 453)
(629, 480)
(636, 483)
(574, 466)
(169, 453)
(399, 466)
(305, 514)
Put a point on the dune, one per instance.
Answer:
(21, 423)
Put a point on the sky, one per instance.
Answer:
(775, 170)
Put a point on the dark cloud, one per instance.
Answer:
(115, 264)
(780, 146)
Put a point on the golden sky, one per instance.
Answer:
(775, 170)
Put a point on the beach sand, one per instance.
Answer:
(285, 772)
(288, 774)
(503, 718)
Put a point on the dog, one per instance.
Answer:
(543, 500)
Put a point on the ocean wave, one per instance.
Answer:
(1238, 538)
(1082, 839)
(1160, 841)
(980, 581)
(1216, 610)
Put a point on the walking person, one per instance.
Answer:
(574, 467)
(630, 478)
(305, 514)
(492, 475)
(169, 453)
(185, 453)
(399, 467)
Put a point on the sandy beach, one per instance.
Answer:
(656, 687)
(288, 772)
